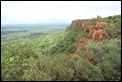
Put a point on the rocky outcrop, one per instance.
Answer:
(99, 35)
(100, 25)
(77, 23)
(89, 54)
(94, 31)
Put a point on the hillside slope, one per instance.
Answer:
(87, 50)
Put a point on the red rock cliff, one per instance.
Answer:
(77, 23)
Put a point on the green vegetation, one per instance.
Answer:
(51, 55)
(108, 54)
(31, 33)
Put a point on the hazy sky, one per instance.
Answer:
(13, 12)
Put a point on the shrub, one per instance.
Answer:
(108, 53)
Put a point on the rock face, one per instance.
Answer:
(100, 25)
(83, 41)
(99, 35)
(93, 31)
(89, 54)
(77, 23)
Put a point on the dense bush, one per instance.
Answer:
(109, 55)
(53, 57)
(68, 43)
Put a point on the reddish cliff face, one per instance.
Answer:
(87, 23)
(97, 33)
(77, 23)
(95, 30)
(100, 25)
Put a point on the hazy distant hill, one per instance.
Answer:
(13, 31)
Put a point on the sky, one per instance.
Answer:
(28, 12)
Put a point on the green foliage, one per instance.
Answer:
(116, 20)
(108, 54)
(52, 57)
(68, 43)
